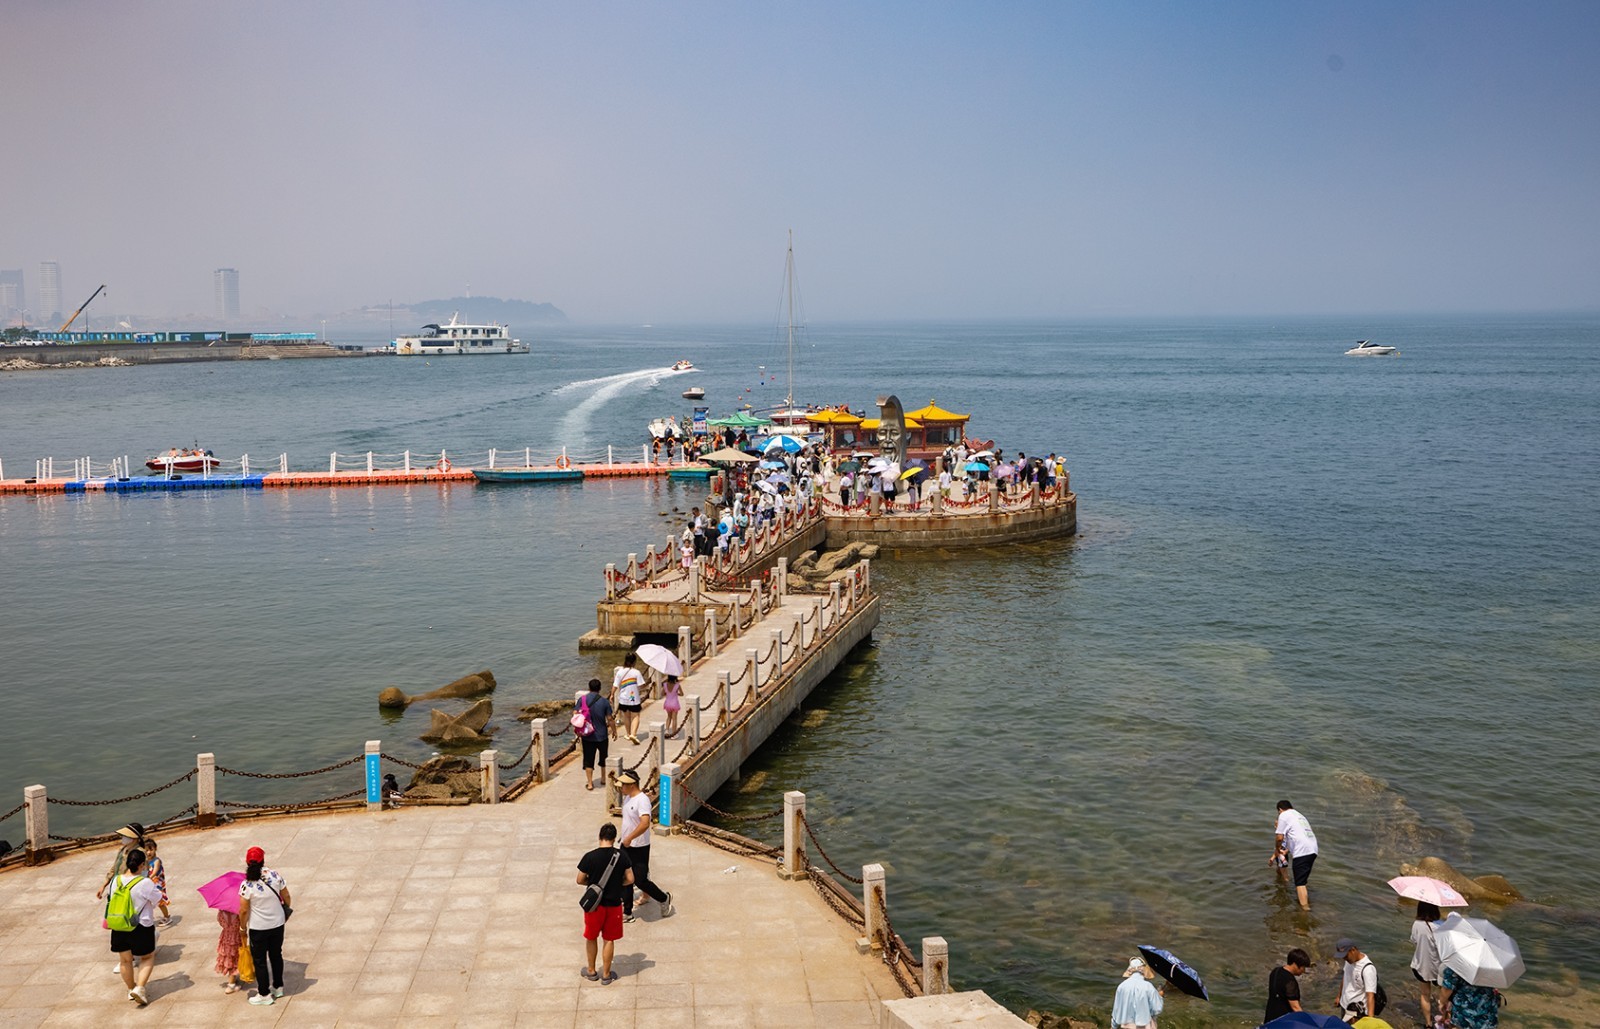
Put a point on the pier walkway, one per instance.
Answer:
(428, 916)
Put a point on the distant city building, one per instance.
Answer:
(11, 294)
(49, 310)
(226, 284)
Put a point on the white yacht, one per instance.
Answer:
(1367, 348)
(458, 337)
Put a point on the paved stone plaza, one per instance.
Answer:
(447, 916)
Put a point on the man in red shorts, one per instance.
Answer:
(606, 866)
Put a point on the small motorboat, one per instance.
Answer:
(175, 460)
(1367, 348)
(694, 393)
(683, 366)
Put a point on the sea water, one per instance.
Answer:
(1364, 584)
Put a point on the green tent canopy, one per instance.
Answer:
(739, 420)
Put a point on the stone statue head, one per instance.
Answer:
(891, 430)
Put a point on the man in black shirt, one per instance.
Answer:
(1283, 988)
(606, 919)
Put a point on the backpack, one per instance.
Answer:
(1380, 1000)
(582, 724)
(121, 915)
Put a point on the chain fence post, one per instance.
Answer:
(738, 617)
(935, 963)
(666, 801)
(372, 759)
(659, 731)
(205, 781)
(37, 822)
(691, 705)
(686, 646)
(613, 795)
(489, 774)
(541, 751)
(874, 892)
(776, 635)
(611, 582)
(753, 664)
(725, 687)
(711, 629)
(833, 599)
(794, 840)
(866, 577)
(781, 589)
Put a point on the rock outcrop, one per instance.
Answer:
(462, 729)
(1484, 887)
(545, 709)
(473, 685)
(444, 778)
(813, 570)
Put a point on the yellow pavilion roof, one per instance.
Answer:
(872, 423)
(934, 413)
(833, 418)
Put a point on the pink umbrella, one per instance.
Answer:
(1426, 888)
(222, 892)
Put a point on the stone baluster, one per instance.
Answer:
(489, 771)
(36, 823)
(753, 666)
(711, 632)
(659, 731)
(874, 891)
(613, 795)
(794, 835)
(738, 618)
(685, 648)
(541, 750)
(935, 966)
(726, 703)
(691, 710)
(777, 651)
(205, 781)
(633, 566)
(611, 582)
(782, 578)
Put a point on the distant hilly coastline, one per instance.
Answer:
(487, 309)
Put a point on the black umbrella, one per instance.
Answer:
(1175, 971)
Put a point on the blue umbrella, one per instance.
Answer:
(771, 464)
(789, 443)
(975, 466)
(1175, 971)
(1306, 1020)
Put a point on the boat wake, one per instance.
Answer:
(574, 427)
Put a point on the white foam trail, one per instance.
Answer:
(575, 424)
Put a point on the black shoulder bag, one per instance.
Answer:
(594, 891)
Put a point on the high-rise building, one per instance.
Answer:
(225, 281)
(11, 295)
(49, 309)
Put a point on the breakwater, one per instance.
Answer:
(24, 357)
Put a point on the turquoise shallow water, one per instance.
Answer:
(1368, 585)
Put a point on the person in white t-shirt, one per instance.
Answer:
(1358, 993)
(1297, 843)
(637, 814)
(140, 941)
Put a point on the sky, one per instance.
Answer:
(645, 162)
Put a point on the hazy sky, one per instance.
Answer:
(643, 162)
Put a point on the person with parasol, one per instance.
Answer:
(1138, 1000)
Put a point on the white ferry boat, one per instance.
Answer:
(459, 338)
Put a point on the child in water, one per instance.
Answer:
(158, 875)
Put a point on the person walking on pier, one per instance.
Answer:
(139, 941)
(626, 687)
(606, 867)
(595, 742)
(636, 818)
(1298, 843)
(264, 911)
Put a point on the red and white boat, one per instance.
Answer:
(176, 460)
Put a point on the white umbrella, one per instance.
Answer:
(767, 486)
(1478, 951)
(982, 454)
(877, 466)
(791, 444)
(660, 658)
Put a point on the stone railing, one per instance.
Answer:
(723, 566)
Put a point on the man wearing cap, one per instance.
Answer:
(636, 818)
(1137, 1001)
(1359, 995)
(1298, 843)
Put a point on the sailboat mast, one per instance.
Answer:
(789, 275)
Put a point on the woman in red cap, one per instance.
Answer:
(263, 910)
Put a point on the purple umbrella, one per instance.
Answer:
(222, 892)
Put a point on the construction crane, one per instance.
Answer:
(79, 311)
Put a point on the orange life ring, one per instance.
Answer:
(443, 465)
(563, 462)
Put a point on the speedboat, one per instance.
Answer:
(1367, 348)
(176, 460)
(694, 393)
(682, 366)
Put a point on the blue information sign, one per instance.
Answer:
(374, 780)
(664, 814)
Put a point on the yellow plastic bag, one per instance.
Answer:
(247, 967)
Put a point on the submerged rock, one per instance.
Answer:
(466, 727)
(1485, 887)
(544, 709)
(467, 686)
(445, 777)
